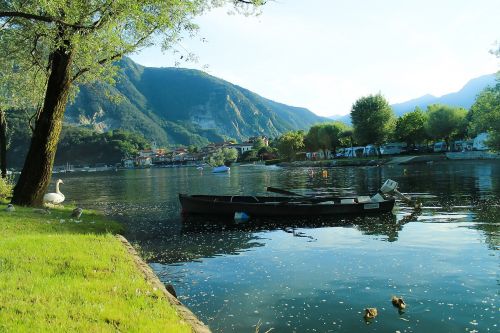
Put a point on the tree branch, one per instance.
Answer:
(116, 55)
(42, 18)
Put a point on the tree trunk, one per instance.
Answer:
(3, 144)
(37, 170)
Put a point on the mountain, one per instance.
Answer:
(465, 97)
(182, 106)
(346, 119)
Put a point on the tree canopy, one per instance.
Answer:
(325, 136)
(410, 127)
(485, 115)
(372, 119)
(290, 143)
(445, 122)
(223, 156)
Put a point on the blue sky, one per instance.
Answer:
(324, 54)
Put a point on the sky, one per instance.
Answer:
(325, 54)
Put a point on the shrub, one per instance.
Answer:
(6, 187)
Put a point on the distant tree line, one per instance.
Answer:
(374, 122)
(77, 145)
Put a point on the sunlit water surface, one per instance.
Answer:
(319, 275)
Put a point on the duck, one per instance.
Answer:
(77, 212)
(370, 313)
(54, 198)
(398, 302)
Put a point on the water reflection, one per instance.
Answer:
(318, 275)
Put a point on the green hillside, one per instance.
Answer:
(182, 106)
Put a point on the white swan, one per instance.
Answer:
(54, 198)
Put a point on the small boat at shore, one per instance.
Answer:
(293, 204)
(220, 169)
(282, 206)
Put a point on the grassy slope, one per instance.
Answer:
(64, 276)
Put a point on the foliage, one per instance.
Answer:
(223, 156)
(348, 137)
(372, 119)
(267, 152)
(258, 144)
(75, 42)
(485, 115)
(81, 146)
(445, 122)
(95, 32)
(326, 136)
(410, 127)
(250, 155)
(311, 141)
(6, 187)
(78, 145)
(290, 143)
(58, 275)
(193, 149)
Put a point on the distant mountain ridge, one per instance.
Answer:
(465, 97)
(183, 106)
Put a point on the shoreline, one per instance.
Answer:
(393, 160)
(187, 315)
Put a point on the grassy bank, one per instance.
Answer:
(60, 275)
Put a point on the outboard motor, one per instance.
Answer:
(389, 187)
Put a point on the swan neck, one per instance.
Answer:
(57, 188)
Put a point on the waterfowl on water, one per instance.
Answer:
(370, 313)
(398, 302)
(54, 198)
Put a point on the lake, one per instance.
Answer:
(319, 275)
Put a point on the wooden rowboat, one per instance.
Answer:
(282, 206)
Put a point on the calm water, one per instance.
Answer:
(318, 276)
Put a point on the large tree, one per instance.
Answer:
(326, 136)
(445, 122)
(290, 143)
(485, 112)
(485, 115)
(72, 42)
(311, 142)
(372, 119)
(410, 127)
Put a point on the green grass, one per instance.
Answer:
(57, 275)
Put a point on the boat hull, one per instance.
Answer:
(221, 169)
(279, 206)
